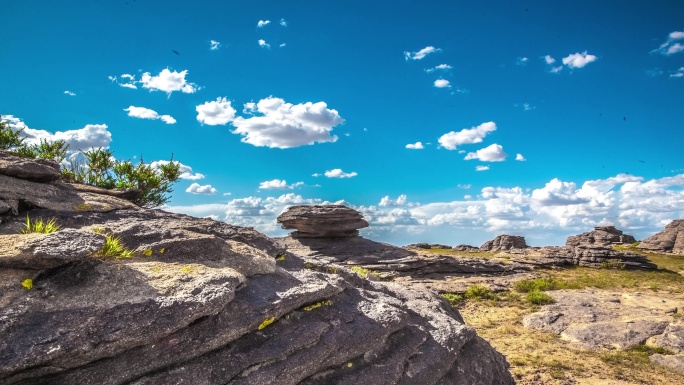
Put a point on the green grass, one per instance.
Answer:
(114, 248)
(39, 226)
(479, 293)
(541, 284)
(454, 299)
(539, 298)
(636, 354)
(363, 272)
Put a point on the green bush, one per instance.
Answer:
(536, 297)
(453, 298)
(479, 292)
(9, 139)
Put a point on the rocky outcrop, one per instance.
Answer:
(322, 221)
(427, 246)
(37, 170)
(504, 242)
(670, 240)
(464, 247)
(205, 302)
(602, 236)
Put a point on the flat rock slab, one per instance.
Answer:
(674, 362)
(597, 319)
(37, 170)
(322, 221)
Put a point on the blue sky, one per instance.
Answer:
(536, 118)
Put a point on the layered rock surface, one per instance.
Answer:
(322, 221)
(204, 302)
(504, 242)
(670, 240)
(601, 236)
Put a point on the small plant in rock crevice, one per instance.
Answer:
(114, 248)
(39, 226)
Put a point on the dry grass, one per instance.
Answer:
(543, 358)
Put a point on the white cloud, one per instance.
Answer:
(263, 23)
(283, 22)
(186, 171)
(671, 46)
(439, 67)
(338, 173)
(415, 146)
(452, 140)
(217, 112)
(214, 45)
(168, 81)
(83, 139)
(556, 70)
(262, 43)
(464, 186)
(481, 168)
(277, 184)
(286, 125)
(558, 193)
(196, 188)
(578, 60)
(249, 108)
(146, 113)
(127, 81)
(442, 83)
(520, 158)
(421, 54)
(387, 202)
(67, 92)
(521, 61)
(678, 74)
(549, 60)
(282, 45)
(492, 153)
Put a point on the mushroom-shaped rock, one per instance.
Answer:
(504, 242)
(669, 240)
(604, 236)
(322, 221)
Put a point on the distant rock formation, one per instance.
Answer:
(322, 221)
(504, 242)
(206, 302)
(670, 240)
(602, 236)
(428, 246)
(464, 247)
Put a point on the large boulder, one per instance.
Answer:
(602, 236)
(37, 170)
(322, 221)
(670, 240)
(504, 242)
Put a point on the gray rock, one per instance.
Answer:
(670, 240)
(504, 242)
(323, 221)
(464, 247)
(4, 207)
(37, 251)
(37, 170)
(602, 236)
(672, 338)
(596, 319)
(674, 362)
(58, 196)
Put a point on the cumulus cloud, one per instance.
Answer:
(263, 23)
(549, 59)
(338, 173)
(672, 45)
(481, 168)
(277, 184)
(82, 139)
(452, 140)
(441, 67)
(217, 112)
(67, 92)
(146, 113)
(196, 188)
(492, 153)
(214, 45)
(520, 158)
(578, 60)
(418, 55)
(262, 43)
(168, 81)
(186, 171)
(286, 125)
(442, 83)
(387, 202)
(558, 193)
(415, 146)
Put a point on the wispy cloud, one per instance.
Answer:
(441, 67)
(262, 43)
(521, 61)
(452, 140)
(214, 45)
(678, 74)
(67, 92)
(263, 23)
(672, 45)
(418, 55)
(338, 173)
(277, 184)
(283, 22)
(481, 168)
(146, 113)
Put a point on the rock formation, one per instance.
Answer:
(670, 240)
(205, 302)
(322, 221)
(504, 242)
(602, 236)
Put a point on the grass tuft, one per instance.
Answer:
(479, 293)
(539, 298)
(113, 247)
(39, 226)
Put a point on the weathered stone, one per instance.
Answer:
(38, 251)
(674, 362)
(4, 207)
(602, 236)
(670, 240)
(322, 221)
(672, 337)
(504, 242)
(37, 170)
(596, 319)
(463, 247)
